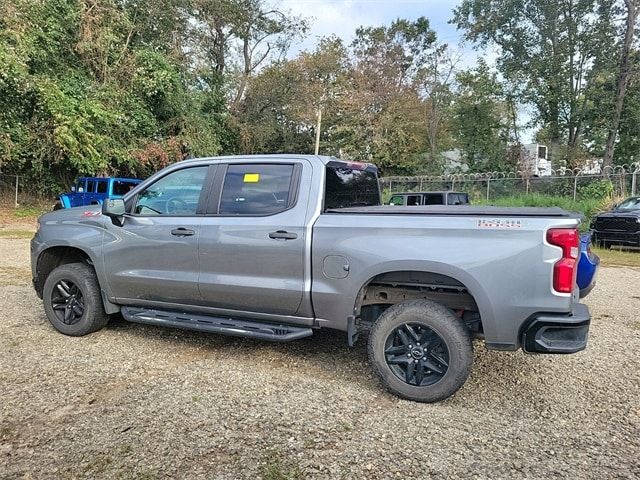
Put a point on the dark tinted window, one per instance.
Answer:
(347, 187)
(542, 152)
(177, 193)
(102, 186)
(121, 187)
(413, 200)
(256, 189)
(458, 199)
(91, 185)
(433, 199)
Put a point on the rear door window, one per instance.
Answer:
(413, 200)
(121, 187)
(102, 186)
(433, 199)
(396, 200)
(257, 189)
(91, 186)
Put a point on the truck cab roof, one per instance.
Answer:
(323, 159)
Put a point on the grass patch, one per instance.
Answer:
(588, 207)
(617, 257)
(29, 211)
(277, 467)
(98, 465)
(16, 234)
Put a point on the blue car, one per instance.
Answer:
(94, 190)
(587, 266)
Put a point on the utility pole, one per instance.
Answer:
(318, 130)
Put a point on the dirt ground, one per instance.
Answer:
(133, 401)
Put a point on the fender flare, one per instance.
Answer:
(473, 286)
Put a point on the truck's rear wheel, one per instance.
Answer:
(72, 300)
(421, 351)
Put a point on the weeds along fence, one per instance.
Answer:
(577, 184)
(10, 190)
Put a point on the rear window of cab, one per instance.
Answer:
(351, 185)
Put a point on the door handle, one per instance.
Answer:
(281, 234)
(182, 232)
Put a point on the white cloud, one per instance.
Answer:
(340, 18)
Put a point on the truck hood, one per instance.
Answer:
(620, 214)
(75, 215)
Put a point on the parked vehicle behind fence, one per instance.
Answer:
(429, 198)
(620, 226)
(94, 190)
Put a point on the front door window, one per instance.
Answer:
(176, 194)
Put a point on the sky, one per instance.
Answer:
(342, 17)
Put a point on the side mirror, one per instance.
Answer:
(73, 189)
(115, 209)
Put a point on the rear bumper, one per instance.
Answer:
(557, 333)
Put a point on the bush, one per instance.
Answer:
(587, 206)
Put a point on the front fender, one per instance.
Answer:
(57, 230)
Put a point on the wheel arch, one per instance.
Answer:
(442, 273)
(56, 255)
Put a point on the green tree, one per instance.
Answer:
(548, 47)
(480, 120)
(85, 89)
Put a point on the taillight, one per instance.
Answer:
(564, 271)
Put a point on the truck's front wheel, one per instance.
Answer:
(72, 300)
(421, 350)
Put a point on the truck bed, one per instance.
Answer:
(458, 210)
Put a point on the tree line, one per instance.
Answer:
(128, 86)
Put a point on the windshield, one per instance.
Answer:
(632, 203)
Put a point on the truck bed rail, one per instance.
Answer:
(458, 210)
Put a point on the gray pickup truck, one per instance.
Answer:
(275, 247)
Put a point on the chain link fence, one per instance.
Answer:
(618, 181)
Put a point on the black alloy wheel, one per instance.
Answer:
(416, 354)
(67, 302)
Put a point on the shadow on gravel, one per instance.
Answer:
(325, 351)
(498, 379)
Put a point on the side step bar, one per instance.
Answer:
(210, 324)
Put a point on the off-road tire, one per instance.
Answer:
(446, 325)
(93, 317)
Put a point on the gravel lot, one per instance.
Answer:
(141, 402)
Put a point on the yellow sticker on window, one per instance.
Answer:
(251, 177)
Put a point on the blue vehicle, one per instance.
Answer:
(94, 190)
(587, 266)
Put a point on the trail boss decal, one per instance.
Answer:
(503, 223)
